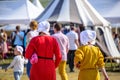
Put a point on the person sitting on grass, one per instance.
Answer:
(17, 63)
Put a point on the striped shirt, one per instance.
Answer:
(63, 42)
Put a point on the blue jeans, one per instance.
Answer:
(28, 68)
(17, 75)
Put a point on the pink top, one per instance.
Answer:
(63, 42)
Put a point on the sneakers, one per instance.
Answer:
(72, 71)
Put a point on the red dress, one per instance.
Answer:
(45, 47)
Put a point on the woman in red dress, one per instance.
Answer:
(46, 48)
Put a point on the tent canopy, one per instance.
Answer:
(18, 11)
(108, 9)
(81, 11)
(76, 11)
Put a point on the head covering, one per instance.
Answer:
(20, 49)
(87, 36)
(44, 27)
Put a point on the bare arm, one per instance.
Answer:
(11, 64)
(77, 43)
(4, 37)
(105, 74)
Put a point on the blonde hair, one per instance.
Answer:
(34, 24)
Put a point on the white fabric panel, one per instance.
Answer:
(87, 21)
(111, 45)
(64, 13)
(17, 11)
(110, 42)
(90, 21)
(81, 12)
(33, 13)
(49, 12)
(8, 9)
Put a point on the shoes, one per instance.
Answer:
(71, 70)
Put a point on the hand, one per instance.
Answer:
(6, 69)
(78, 65)
(106, 78)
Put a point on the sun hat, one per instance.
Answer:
(88, 36)
(20, 49)
(44, 27)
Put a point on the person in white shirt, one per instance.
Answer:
(17, 63)
(73, 41)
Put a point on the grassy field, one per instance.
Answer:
(72, 76)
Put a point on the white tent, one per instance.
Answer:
(81, 12)
(18, 11)
(108, 9)
(76, 11)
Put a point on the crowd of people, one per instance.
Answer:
(48, 52)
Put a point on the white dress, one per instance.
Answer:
(31, 34)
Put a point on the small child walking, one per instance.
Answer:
(17, 63)
(88, 58)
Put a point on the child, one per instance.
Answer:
(17, 63)
(88, 58)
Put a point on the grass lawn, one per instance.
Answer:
(72, 76)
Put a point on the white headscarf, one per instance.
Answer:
(20, 49)
(87, 36)
(44, 27)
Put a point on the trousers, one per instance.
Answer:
(62, 70)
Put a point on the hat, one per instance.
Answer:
(44, 27)
(87, 36)
(20, 49)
